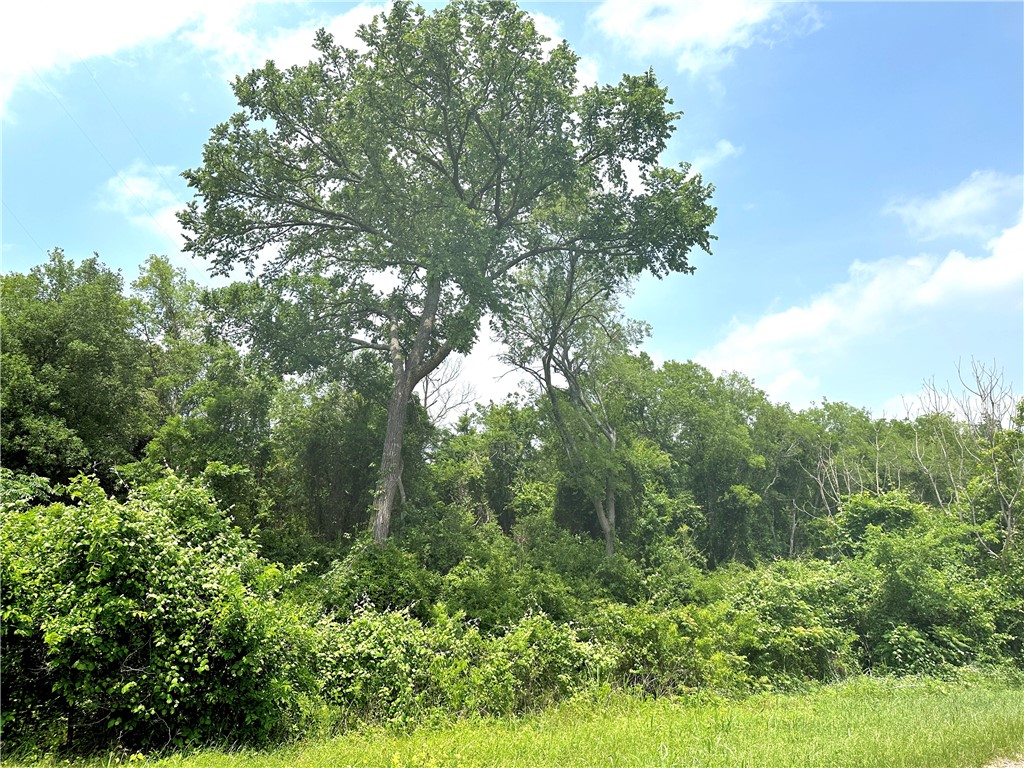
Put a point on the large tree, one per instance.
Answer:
(390, 194)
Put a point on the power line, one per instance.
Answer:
(131, 133)
(26, 229)
(99, 152)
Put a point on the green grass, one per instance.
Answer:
(863, 722)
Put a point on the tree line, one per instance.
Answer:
(127, 382)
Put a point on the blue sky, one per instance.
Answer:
(867, 159)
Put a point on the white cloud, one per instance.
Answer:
(975, 208)
(781, 350)
(587, 71)
(491, 379)
(36, 39)
(239, 51)
(723, 150)
(142, 194)
(701, 34)
(550, 28)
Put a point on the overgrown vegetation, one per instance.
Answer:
(190, 477)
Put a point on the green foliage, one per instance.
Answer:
(712, 430)
(449, 169)
(72, 370)
(926, 605)
(666, 651)
(387, 578)
(223, 416)
(565, 329)
(485, 574)
(502, 590)
(485, 464)
(444, 535)
(579, 560)
(323, 446)
(548, 661)
(149, 617)
(891, 512)
(1008, 593)
(390, 666)
(375, 665)
(787, 622)
(144, 623)
(170, 323)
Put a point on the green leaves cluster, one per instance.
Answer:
(72, 381)
(144, 622)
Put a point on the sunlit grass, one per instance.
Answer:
(864, 722)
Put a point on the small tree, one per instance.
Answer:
(566, 331)
(73, 370)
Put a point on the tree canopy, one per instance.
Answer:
(388, 195)
(71, 395)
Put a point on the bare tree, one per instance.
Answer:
(444, 393)
(971, 447)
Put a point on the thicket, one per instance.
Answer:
(145, 621)
(151, 620)
(191, 563)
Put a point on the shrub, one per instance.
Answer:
(499, 593)
(786, 620)
(388, 578)
(467, 675)
(146, 622)
(653, 650)
(893, 511)
(374, 665)
(926, 606)
(1009, 604)
(388, 666)
(548, 661)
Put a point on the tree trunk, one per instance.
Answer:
(609, 513)
(391, 463)
(605, 509)
(408, 370)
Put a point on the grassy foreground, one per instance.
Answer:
(863, 722)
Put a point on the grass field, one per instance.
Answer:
(863, 722)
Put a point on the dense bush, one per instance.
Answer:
(144, 622)
(387, 578)
(390, 666)
(787, 621)
(889, 512)
(666, 651)
(152, 620)
(501, 591)
(926, 606)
